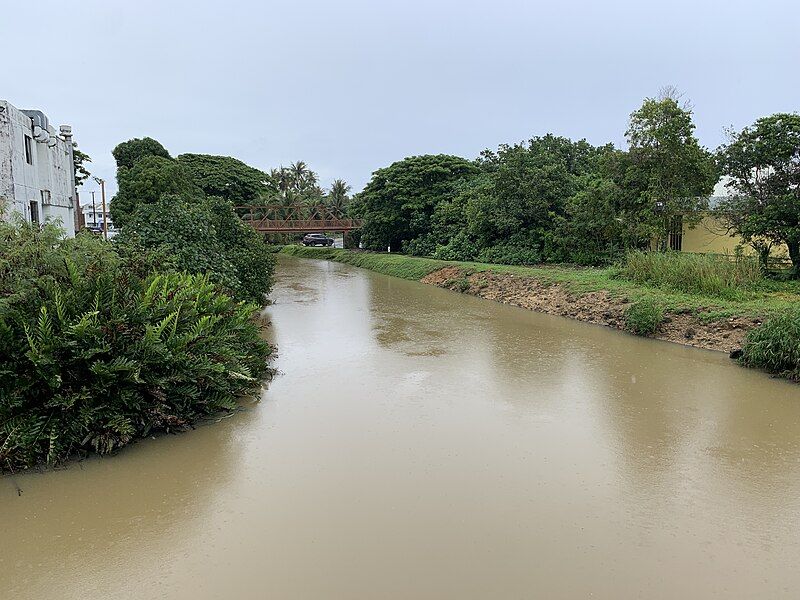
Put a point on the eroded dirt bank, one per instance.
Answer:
(598, 307)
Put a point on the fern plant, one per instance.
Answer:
(97, 350)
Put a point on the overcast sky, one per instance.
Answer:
(354, 85)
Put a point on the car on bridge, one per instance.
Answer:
(317, 239)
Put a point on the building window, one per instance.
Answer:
(45, 197)
(34, 211)
(28, 150)
(676, 233)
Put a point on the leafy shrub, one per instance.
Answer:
(204, 237)
(508, 254)
(459, 247)
(97, 350)
(146, 182)
(775, 345)
(460, 284)
(694, 273)
(644, 317)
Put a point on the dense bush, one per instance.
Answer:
(97, 349)
(695, 273)
(205, 237)
(143, 184)
(644, 317)
(775, 345)
(161, 207)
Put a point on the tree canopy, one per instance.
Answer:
(145, 182)
(547, 199)
(399, 200)
(168, 207)
(127, 153)
(227, 178)
(762, 163)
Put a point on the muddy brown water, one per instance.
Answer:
(424, 444)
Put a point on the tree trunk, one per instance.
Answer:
(794, 255)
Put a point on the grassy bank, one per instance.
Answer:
(759, 301)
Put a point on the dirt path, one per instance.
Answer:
(598, 307)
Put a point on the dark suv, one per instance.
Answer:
(317, 239)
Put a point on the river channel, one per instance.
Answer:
(418, 443)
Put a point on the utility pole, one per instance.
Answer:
(94, 209)
(102, 183)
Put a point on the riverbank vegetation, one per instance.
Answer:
(775, 346)
(556, 200)
(705, 274)
(106, 342)
(759, 300)
(102, 344)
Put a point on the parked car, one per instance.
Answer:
(317, 239)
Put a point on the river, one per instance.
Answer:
(418, 443)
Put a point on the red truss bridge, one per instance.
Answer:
(296, 219)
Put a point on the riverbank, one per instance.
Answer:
(593, 295)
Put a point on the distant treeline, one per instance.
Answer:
(552, 199)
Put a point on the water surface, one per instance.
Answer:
(423, 444)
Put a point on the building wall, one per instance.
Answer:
(47, 182)
(711, 237)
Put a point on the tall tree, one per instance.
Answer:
(666, 162)
(763, 164)
(338, 197)
(127, 153)
(399, 200)
(150, 178)
(297, 185)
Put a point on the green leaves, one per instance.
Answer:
(775, 345)
(227, 178)
(95, 353)
(762, 163)
(400, 199)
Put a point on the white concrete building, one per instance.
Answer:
(37, 180)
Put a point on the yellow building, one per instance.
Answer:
(710, 235)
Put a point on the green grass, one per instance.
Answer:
(775, 346)
(706, 274)
(396, 265)
(768, 298)
(644, 317)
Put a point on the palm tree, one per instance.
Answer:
(338, 197)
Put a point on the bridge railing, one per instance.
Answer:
(295, 219)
